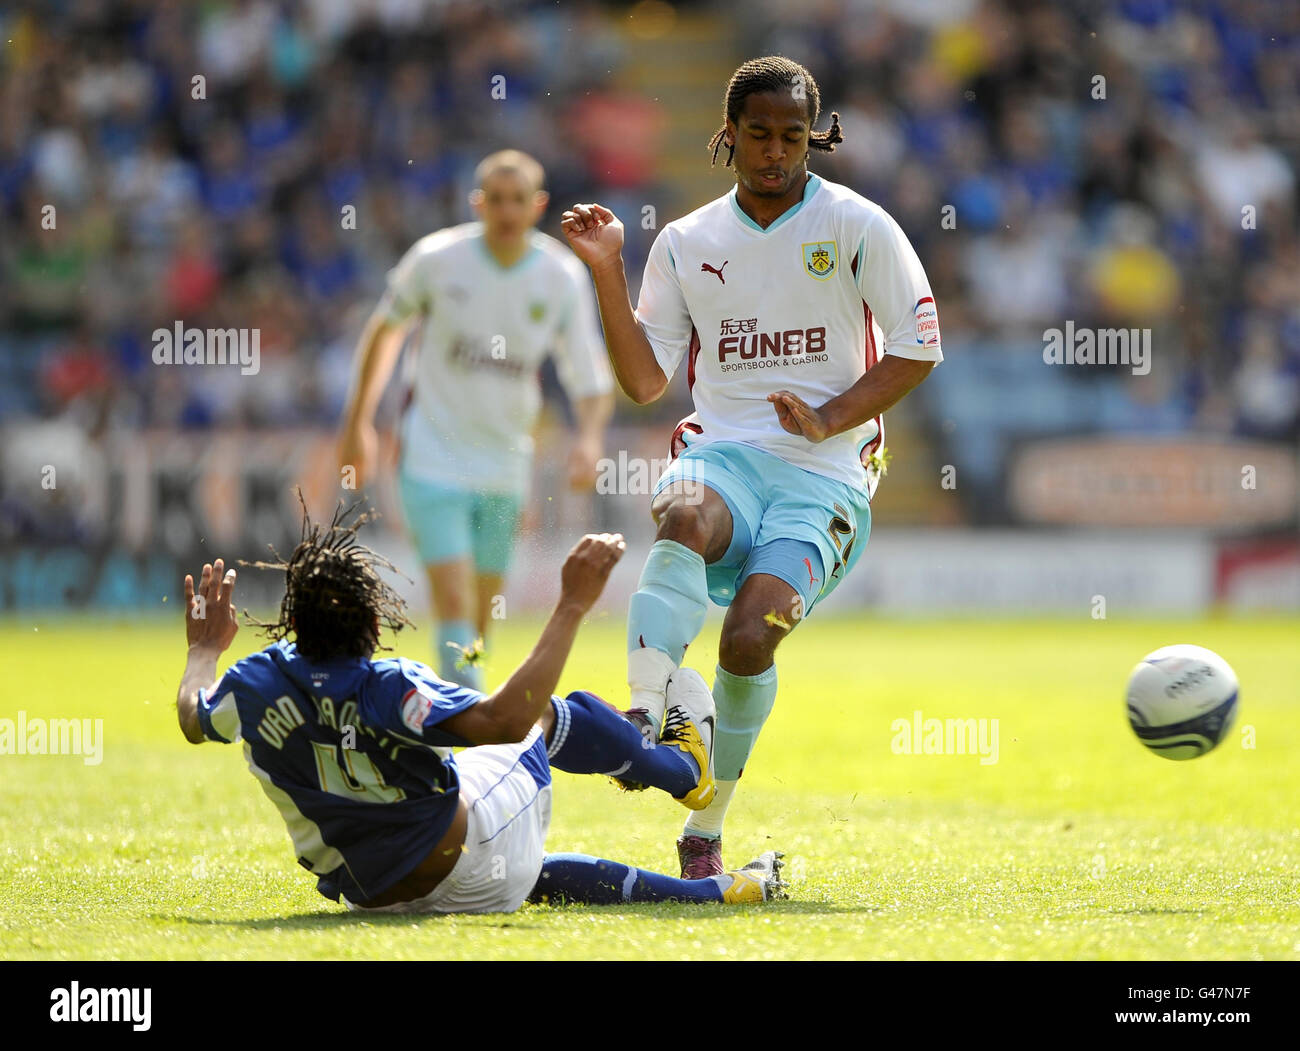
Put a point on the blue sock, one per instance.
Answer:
(591, 737)
(667, 611)
(594, 881)
(454, 636)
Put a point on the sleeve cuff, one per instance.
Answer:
(666, 359)
(394, 309)
(224, 714)
(914, 353)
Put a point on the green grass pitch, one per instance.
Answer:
(1076, 844)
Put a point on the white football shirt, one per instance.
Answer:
(485, 332)
(806, 305)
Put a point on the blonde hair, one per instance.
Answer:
(510, 161)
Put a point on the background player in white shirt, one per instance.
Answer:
(492, 299)
(803, 314)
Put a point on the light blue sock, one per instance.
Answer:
(454, 636)
(667, 611)
(744, 703)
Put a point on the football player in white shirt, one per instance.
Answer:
(803, 314)
(492, 298)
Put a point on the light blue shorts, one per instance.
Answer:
(448, 523)
(805, 528)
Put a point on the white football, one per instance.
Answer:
(1182, 700)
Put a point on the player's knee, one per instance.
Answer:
(748, 648)
(685, 524)
(453, 607)
(452, 598)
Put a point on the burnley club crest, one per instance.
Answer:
(819, 259)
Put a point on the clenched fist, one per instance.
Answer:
(588, 567)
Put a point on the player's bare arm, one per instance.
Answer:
(506, 716)
(879, 389)
(593, 414)
(596, 236)
(210, 628)
(377, 352)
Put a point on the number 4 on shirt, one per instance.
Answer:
(347, 772)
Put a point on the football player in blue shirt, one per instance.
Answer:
(356, 752)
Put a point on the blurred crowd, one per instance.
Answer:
(1125, 163)
(1121, 164)
(255, 164)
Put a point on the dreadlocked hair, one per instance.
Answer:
(334, 597)
(773, 73)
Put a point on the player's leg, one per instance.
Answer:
(702, 514)
(766, 609)
(507, 789)
(451, 585)
(667, 610)
(438, 520)
(591, 736)
(490, 592)
(581, 878)
(494, 523)
(812, 532)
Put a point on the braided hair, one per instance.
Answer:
(773, 73)
(334, 598)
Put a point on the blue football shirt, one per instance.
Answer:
(351, 753)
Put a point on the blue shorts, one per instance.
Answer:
(448, 523)
(805, 528)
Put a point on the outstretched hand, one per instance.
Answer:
(210, 621)
(594, 233)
